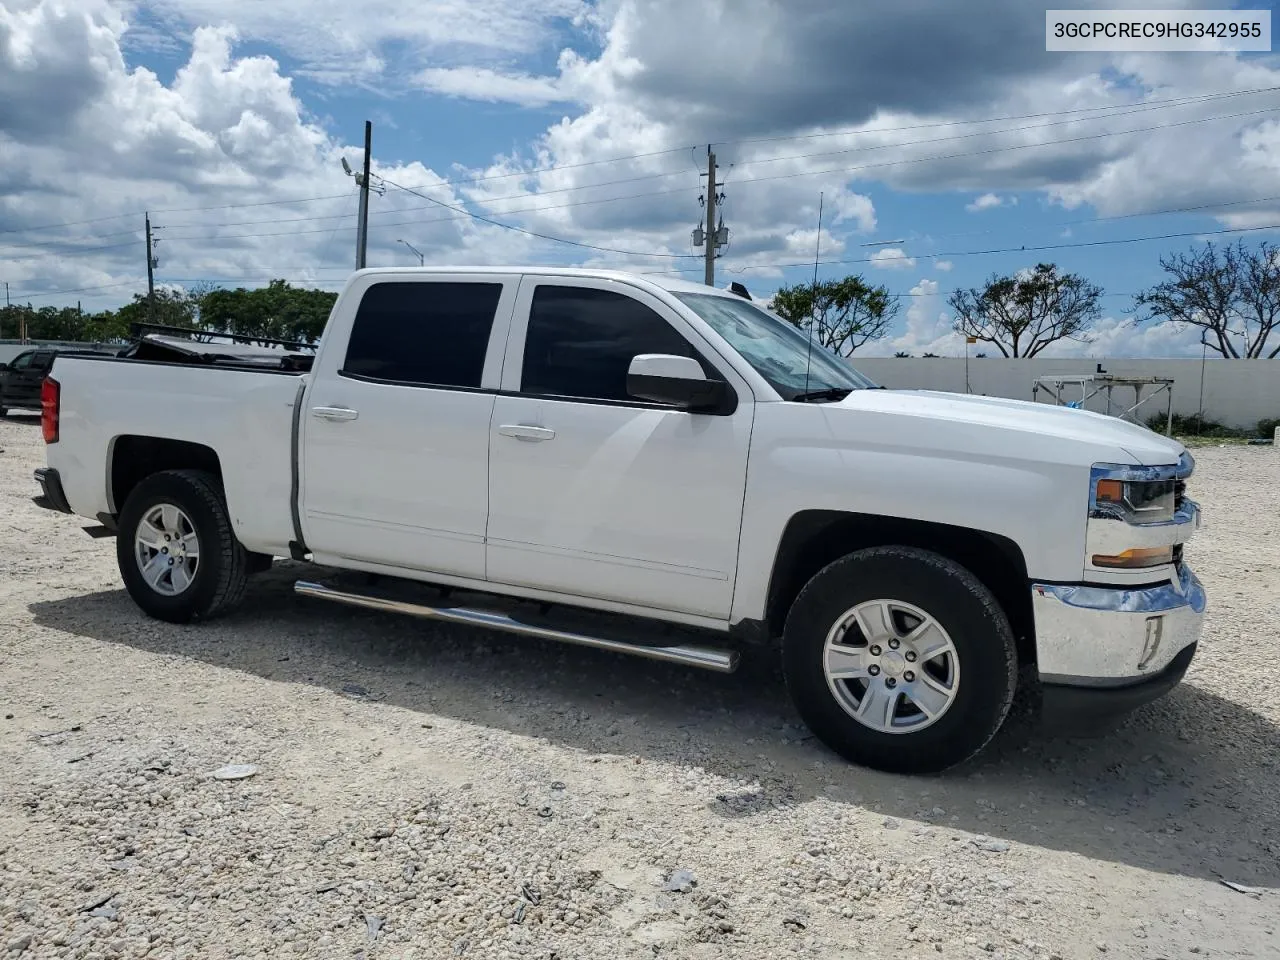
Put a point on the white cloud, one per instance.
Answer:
(82, 129)
(481, 83)
(857, 208)
(928, 326)
(892, 258)
(377, 40)
(1123, 337)
(990, 201)
(943, 265)
(113, 141)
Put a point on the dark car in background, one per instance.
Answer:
(21, 377)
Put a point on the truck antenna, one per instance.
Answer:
(813, 305)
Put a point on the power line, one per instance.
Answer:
(1142, 109)
(60, 253)
(1123, 108)
(421, 222)
(745, 267)
(1172, 102)
(656, 193)
(793, 174)
(1107, 219)
(260, 203)
(139, 213)
(991, 150)
(831, 153)
(980, 133)
(1025, 249)
(541, 236)
(58, 293)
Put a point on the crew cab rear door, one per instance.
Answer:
(594, 493)
(396, 422)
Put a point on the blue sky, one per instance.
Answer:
(214, 114)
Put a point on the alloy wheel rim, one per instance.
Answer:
(891, 666)
(167, 550)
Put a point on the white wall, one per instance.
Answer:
(1237, 393)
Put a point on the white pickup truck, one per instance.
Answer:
(657, 468)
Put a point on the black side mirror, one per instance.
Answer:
(674, 380)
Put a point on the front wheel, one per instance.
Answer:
(900, 659)
(178, 556)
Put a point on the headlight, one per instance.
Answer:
(1125, 499)
(1135, 501)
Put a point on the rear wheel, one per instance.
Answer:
(177, 554)
(900, 659)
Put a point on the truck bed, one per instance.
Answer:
(120, 411)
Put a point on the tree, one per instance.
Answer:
(1022, 314)
(902, 355)
(174, 307)
(61, 323)
(842, 314)
(1232, 293)
(277, 311)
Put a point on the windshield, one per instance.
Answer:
(778, 351)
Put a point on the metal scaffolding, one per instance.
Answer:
(1063, 388)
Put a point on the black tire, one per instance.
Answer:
(219, 578)
(979, 630)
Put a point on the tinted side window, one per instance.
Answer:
(42, 361)
(22, 361)
(580, 342)
(423, 332)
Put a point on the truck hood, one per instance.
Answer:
(1039, 419)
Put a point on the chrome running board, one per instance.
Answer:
(691, 655)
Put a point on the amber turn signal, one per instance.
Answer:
(1138, 557)
(1111, 491)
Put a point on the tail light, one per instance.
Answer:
(50, 401)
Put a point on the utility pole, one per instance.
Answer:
(151, 277)
(362, 230)
(6, 296)
(710, 278)
(714, 235)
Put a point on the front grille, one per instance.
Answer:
(1179, 494)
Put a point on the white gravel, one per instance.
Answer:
(428, 792)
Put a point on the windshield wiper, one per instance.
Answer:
(831, 393)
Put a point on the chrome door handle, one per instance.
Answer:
(334, 413)
(526, 431)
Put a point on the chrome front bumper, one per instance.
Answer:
(1092, 636)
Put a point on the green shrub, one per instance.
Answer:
(1193, 425)
(1267, 427)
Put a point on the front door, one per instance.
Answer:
(395, 443)
(594, 493)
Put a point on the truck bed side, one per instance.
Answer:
(139, 409)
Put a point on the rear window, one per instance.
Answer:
(423, 333)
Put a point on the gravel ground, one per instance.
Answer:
(431, 792)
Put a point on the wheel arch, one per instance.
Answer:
(814, 538)
(134, 457)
